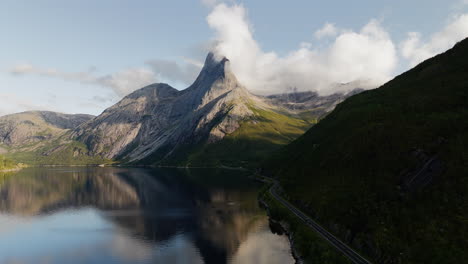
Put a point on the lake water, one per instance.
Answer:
(121, 215)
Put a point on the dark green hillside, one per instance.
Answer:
(387, 170)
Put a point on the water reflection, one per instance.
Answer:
(117, 215)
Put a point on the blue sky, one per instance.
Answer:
(82, 56)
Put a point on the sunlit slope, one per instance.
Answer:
(258, 136)
(7, 164)
(42, 137)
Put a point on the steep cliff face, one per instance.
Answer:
(214, 121)
(118, 126)
(160, 119)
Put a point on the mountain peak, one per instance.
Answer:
(214, 65)
(212, 60)
(215, 75)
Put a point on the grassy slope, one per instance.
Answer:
(31, 153)
(66, 153)
(7, 164)
(348, 169)
(257, 137)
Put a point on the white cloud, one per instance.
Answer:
(174, 71)
(193, 62)
(263, 247)
(26, 68)
(127, 81)
(122, 83)
(415, 50)
(328, 30)
(368, 55)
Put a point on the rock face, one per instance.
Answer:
(306, 101)
(160, 124)
(157, 122)
(36, 126)
(160, 119)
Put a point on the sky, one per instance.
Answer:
(83, 56)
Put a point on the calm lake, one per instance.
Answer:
(122, 215)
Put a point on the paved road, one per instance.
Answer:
(352, 255)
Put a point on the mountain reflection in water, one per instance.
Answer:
(121, 215)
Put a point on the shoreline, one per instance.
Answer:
(12, 169)
(136, 166)
(294, 252)
(303, 236)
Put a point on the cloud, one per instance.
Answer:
(415, 50)
(175, 72)
(364, 58)
(328, 30)
(367, 56)
(26, 68)
(263, 247)
(122, 82)
(127, 81)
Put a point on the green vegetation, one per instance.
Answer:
(257, 137)
(310, 247)
(7, 164)
(58, 153)
(35, 140)
(354, 169)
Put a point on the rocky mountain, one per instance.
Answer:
(161, 124)
(29, 128)
(161, 117)
(311, 101)
(214, 121)
(387, 170)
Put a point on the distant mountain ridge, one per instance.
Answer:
(307, 101)
(161, 124)
(216, 120)
(33, 126)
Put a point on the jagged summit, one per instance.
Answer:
(159, 123)
(212, 61)
(214, 79)
(213, 70)
(159, 116)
